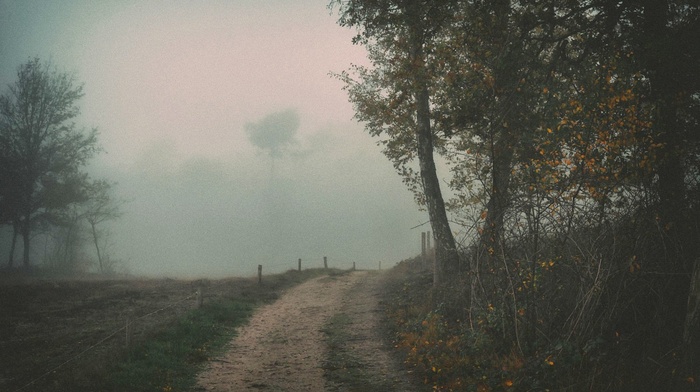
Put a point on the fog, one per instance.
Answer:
(331, 197)
(230, 143)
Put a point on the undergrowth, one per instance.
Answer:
(451, 346)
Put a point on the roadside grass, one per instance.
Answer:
(171, 359)
(343, 369)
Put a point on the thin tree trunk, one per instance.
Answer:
(25, 221)
(15, 232)
(97, 246)
(67, 247)
(26, 234)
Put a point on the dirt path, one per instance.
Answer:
(283, 348)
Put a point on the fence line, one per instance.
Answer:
(71, 359)
(124, 328)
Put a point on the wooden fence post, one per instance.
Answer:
(380, 265)
(422, 244)
(259, 273)
(325, 262)
(299, 265)
(353, 266)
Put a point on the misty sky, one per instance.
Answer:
(224, 131)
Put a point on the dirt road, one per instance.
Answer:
(284, 347)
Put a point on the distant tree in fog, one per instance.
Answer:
(274, 132)
(41, 150)
(100, 206)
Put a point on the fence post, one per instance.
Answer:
(353, 266)
(299, 265)
(325, 262)
(422, 244)
(380, 265)
(259, 273)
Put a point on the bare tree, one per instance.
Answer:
(100, 206)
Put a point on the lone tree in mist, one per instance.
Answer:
(275, 132)
(100, 206)
(41, 150)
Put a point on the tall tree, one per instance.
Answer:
(40, 146)
(399, 34)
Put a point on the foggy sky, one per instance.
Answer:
(224, 131)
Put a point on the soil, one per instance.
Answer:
(56, 333)
(284, 347)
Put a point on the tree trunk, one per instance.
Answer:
(503, 139)
(97, 245)
(502, 158)
(26, 234)
(669, 135)
(15, 232)
(26, 215)
(446, 255)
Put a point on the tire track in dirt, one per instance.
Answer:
(282, 348)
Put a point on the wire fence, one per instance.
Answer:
(124, 329)
(128, 320)
(125, 324)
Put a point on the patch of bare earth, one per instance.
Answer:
(284, 348)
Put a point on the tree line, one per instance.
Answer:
(571, 130)
(43, 153)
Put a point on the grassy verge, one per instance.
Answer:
(170, 360)
(343, 368)
(350, 364)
